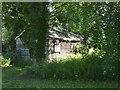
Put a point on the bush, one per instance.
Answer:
(110, 68)
(91, 67)
(74, 68)
(22, 63)
(4, 62)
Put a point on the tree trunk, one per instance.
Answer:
(41, 36)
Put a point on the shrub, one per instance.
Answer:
(4, 62)
(22, 63)
(91, 67)
(74, 68)
(110, 68)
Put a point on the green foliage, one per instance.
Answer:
(11, 79)
(11, 72)
(88, 68)
(21, 63)
(4, 62)
(94, 22)
(91, 67)
(98, 23)
(110, 68)
(12, 19)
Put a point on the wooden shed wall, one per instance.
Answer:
(62, 49)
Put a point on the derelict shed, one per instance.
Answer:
(61, 43)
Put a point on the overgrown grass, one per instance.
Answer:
(10, 80)
(71, 72)
(57, 84)
(11, 72)
(76, 68)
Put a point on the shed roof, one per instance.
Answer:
(63, 35)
